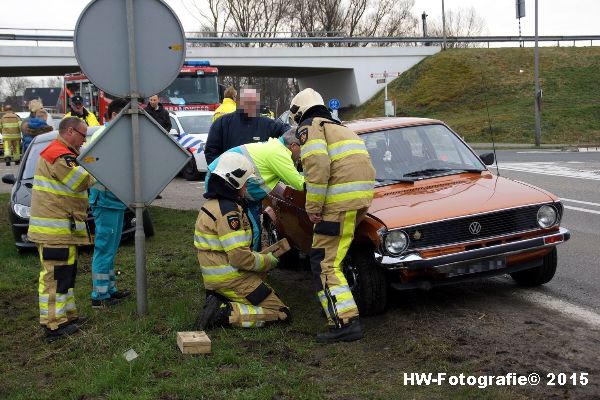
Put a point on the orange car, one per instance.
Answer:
(438, 216)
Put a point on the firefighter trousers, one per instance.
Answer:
(109, 226)
(56, 283)
(253, 303)
(12, 148)
(331, 240)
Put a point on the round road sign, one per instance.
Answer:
(334, 104)
(102, 46)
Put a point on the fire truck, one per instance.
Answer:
(195, 88)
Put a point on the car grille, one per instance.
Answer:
(458, 230)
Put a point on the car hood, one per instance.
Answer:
(450, 197)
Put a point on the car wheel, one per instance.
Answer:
(367, 282)
(538, 275)
(148, 225)
(291, 258)
(190, 171)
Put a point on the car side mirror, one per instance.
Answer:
(487, 158)
(9, 178)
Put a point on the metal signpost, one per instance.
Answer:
(388, 105)
(134, 169)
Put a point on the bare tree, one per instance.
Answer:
(212, 15)
(14, 86)
(459, 22)
(52, 82)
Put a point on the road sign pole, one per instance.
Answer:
(140, 238)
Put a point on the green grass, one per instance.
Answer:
(455, 85)
(278, 362)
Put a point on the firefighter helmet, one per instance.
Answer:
(234, 168)
(304, 100)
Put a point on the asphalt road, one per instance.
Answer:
(573, 176)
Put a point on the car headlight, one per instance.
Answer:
(546, 216)
(395, 242)
(21, 210)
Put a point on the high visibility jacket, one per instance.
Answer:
(223, 236)
(337, 168)
(10, 126)
(87, 117)
(272, 162)
(226, 107)
(59, 200)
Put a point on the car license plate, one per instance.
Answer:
(477, 267)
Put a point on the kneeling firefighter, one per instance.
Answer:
(232, 272)
(339, 180)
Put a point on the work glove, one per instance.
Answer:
(274, 260)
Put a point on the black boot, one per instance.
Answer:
(7, 161)
(62, 331)
(347, 333)
(209, 313)
(17, 162)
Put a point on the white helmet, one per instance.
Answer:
(304, 100)
(234, 168)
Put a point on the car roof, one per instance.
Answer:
(383, 123)
(186, 113)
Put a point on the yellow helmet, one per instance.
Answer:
(304, 100)
(234, 168)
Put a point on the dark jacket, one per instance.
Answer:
(160, 115)
(237, 128)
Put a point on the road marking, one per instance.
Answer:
(550, 169)
(589, 203)
(568, 309)
(583, 209)
(538, 151)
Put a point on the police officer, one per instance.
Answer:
(236, 293)
(339, 181)
(59, 203)
(79, 111)
(11, 135)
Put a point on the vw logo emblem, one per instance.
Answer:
(475, 228)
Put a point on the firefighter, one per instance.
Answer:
(339, 181)
(228, 105)
(79, 111)
(232, 272)
(10, 126)
(58, 225)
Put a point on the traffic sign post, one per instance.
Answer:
(388, 107)
(119, 158)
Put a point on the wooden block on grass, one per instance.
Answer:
(193, 342)
(277, 248)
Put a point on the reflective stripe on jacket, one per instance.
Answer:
(10, 126)
(223, 236)
(337, 168)
(226, 107)
(59, 197)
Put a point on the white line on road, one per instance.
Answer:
(563, 307)
(550, 169)
(583, 209)
(589, 203)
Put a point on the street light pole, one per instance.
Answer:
(538, 97)
(443, 26)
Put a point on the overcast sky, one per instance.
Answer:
(556, 17)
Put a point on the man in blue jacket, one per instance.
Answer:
(243, 126)
(108, 212)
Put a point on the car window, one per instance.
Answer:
(31, 162)
(402, 151)
(196, 123)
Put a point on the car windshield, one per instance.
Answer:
(196, 123)
(418, 152)
(191, 90)
(31, 162)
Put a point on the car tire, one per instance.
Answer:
(190, 171)
(538, 275)
(366, 280)
(148, 225)
(291, 258)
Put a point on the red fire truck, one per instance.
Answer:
(195, 88)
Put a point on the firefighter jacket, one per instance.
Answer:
(228, 106)
(223, 236)
(87, 117)
(59, 200)
(10, 126)
(337, 168)
(272, 162)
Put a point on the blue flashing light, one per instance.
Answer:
(197, 63)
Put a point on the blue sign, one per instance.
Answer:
(334, 104)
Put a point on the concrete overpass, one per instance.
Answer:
(336, 72)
